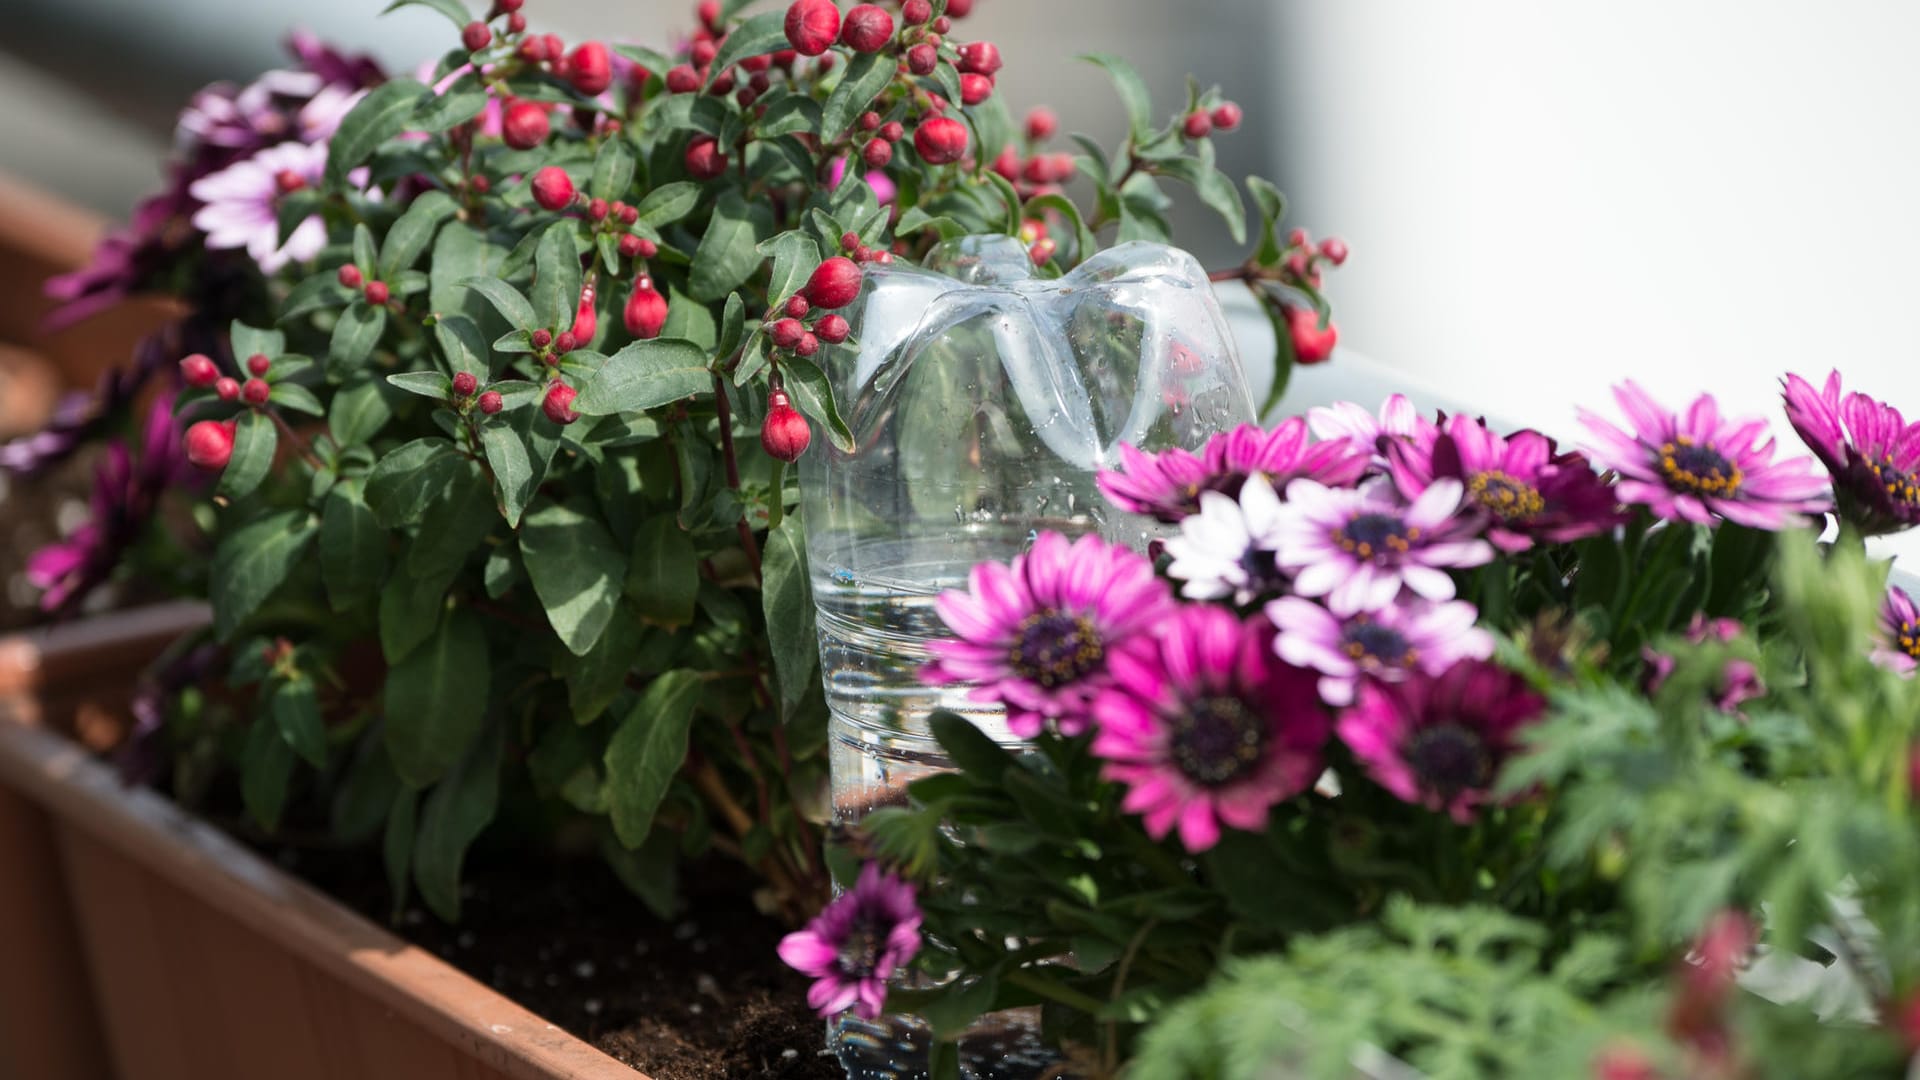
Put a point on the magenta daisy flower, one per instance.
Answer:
(1358, 548)
(1868, 447)
(1168, 485)
(1899, 649)
(1389, 644)
(854, 946)
(1038, 635)
(1519, 484)
(1694, 466)
(1440, 741)
(1209, 728)
(1398, 422)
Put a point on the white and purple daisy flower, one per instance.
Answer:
(1520, 484)
(242, 204)
(1872, 452)
(1695, 466)
(1388, 644)
(1209, 728)
(1899, 648)
(854, 946)
(1226, 550)
(1358, 548)
(1039, 635)
(1440, 741)
(1398, 422)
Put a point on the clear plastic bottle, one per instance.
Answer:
(983, 401)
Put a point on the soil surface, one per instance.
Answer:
(700, 998)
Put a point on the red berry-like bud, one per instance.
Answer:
(1197, 125)
(849, 241)
(628, 214)
(922, 59)
(1007, 164)
(867, 28)
(210, 445)
(648, 249)
(703, 53)
(1311, 344)
(704, 159)
(745, 97)
(597, 209)
(258, 363)
(760, 83)
(629, 246)
(480, 185)
(464, 384)
(491, 402)
(589, 69)
(646, 310)
(350, 276)
(940, 141)
(915, 12)
(942, 24)
(287, 181)
(959, 9)
(893, 130)
(784, 59)
(797, 306)
(475, 36)
(556, 53)
(812, 25)
(975, 89)
(553, 188)
(1623, 1063)
(1041, 251)
(376, 293)
(198, 370)
(807, 345)
(786, 333)
(516, 23)
(586, 318)
(1335, 249)
(564, 342)
(709, 14)
(1298, 237)
(524, 125)
(255, 391)
(876, 153)
(682, 79)
(227, 387)
(869, 120)
(785, 434)
(835, 283)
(509, 6)
(979, 57)
(558, 404)
(832, 329)
(1226, 116)
(541, 338)
(1041, 124)
(532, 50)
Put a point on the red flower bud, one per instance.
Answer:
(1197, 125)
(350, 276)
(586, 319)
(849, 241)
(1226, 116)
(682, 79)
(1298, 237)
(480, 184)
(812, 25)
(893, 130)
(1041, 124)
(834, 283)
(524, 125)
(541, 338)
(516, 23)
(975, 89)
(922, 59)
(376, 293)
(258, 363)
(979, 57)
(784, 59)
(876, 153)
(255, 391)
(648, 249)
(556, 52)
(745, 97)
(286, 181)
(646, 310)
(627, 214)
(708, 12)
(1311, 344)
(589, 69)
(807, 345)
(509, 6)
(869, 120)
(940, 141)
(464, 384)
(704, 159)
(629, 246)
(786, 333)
(1007, 164)
(915, 12)
(491, 402)
(475, 36)
(1335, 249)
(565, 342)
(210, 444)
(867, 28)
(785, 434)
(553, 188)
(703, 53)
(1623, 1063)
(797, 307)
(832, 329)
(558, 404)
(227, 387)
(597, 209)
(198, 370)
(1042, 250)
(959, 9)
(942, 24)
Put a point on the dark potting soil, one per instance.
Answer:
(702, 997)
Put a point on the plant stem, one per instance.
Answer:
(1054, 990)
(747, 541)
(286, 431)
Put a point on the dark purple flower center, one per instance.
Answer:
(1901, 487)
(1697, 469)
(1217, 741)
(860, 952)
(1373, 645)
(1374, 534)
(1908, 638)
(1449, 759)
(1263, 569)
(1504, 496)
(1054, 648)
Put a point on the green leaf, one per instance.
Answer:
(1272, 206)
(254, 442)
(651, 872)
(454, 524)
(296, 712)
(454, 10)
(251, 562)
(359, 411)
(556, 276)
(298, 398)
(663, 577)
(596, 679)
(811, 393)
(248, 341)
(353, 548)
(414, 230)
(266, 767)
(462, 101)
(689, 321)
(379, 116)
(462, 345)
(789, 114)
(729, 250)
(428, 384)
(1084, 244)
(365, 797)
(459, 253)
(321, 290)
(436, 699)
(406, 480)
(646, 58)
(757, 36)
(457, 810)
(364, 248)
(1214, 189)
(733, 325)
(612, 170)
(970, 748)
(786, 597)
(866, 76)
(354, 337)
(410, 612)
(396, 849)
(505, 299)
(1283, 355)
(645, 375)
(795, 256)
(519, 454)
(646, 751)
(1132, 91)
(576, 568)
(668, 203)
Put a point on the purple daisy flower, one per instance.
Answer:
(1691, 467)
(1227, 548)
(1440, 741)
(1167, 486)
(1039, 634)
(1739, 679)
(1388, 644)
(1398, 422)
(1899, 649)
(1209, 728)
(1868, 447)
(1358, 548)
(242, 205)
(854, 946)
(1524, 489)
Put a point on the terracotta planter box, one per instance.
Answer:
(143, 944)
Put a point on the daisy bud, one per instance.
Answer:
(807, 345)
(786, 333)
(553, 188)
(785, 434)
(1335, 250)
(704, 159)
(940, 141)
(227, 387)
(646, 310)
(682, 79)
(558, 404)
(867, 28)
(831, 329)
(629, 246)
(491, 402)
(350, 276)
(464, 384)
(589, 69)
(524, 125)
(835, 283)
(1311, 344)
(979, 57)
(255, 391)
(475, 36)
(1041, 124)
(258, 363)
(849, 241)
(876, 153)
(210, 445)
(376, 293)
(199, 370)
(1226, 116)
(812, 25)
(922, 59)
(1197, 125)
(975, 89)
